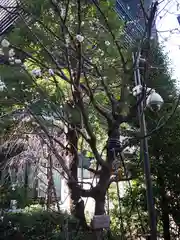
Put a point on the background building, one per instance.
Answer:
(7, 17)
(131, 12)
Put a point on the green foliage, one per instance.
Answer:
(46, 43)
(50, 42)
(164, 156)
(35, 223)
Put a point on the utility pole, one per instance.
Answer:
(144, 148)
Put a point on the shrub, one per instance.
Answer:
(35, 223)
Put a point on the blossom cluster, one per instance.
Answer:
(38, 72)
(9, 53)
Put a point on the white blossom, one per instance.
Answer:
(1, 51)
(5, 43)
(79, 38)
(67, 39)
(51, 72)
(26, 119)
(37, 72)
(107, 43)
(11, 59)
(2, 86)
(18, 61)
(13, 89)
(24, 66)
(11, 53)
(63, 12)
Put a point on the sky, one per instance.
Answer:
(169, 33)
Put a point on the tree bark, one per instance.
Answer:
(113, 151)
(100, 205)
(164, 209)
(73, 142)
(77, 204)
(50, 181)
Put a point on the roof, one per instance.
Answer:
(8, 14)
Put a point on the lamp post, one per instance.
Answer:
(154, 101)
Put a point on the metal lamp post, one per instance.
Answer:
(152, 100)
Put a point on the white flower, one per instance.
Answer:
(67, 39)
(13, 186)
(51, 72)
(11, 53)
(107, 43)
(18, 61)
(63, 12)
(13, 89)
(11, 59)
(1, 51)
(26, 119)
(2, 86)
(5, 43)
(79, 38)
(24, 66)
(37, 72)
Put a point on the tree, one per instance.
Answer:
(75, 46)
(164, 154)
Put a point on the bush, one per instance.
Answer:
(35, 223)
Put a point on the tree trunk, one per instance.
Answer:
(73, 142)
(99, 210)
(77, 204)
(26, 183)
(164, 209)
(100, 197)
(100, 205)
(50, 181)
